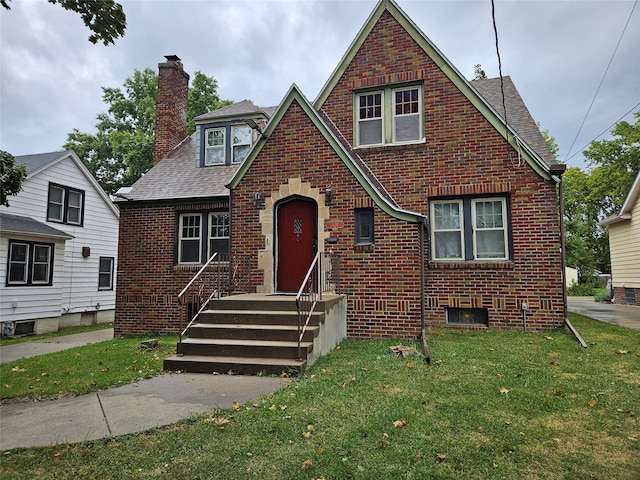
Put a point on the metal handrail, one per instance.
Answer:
(205, 285)
(315, 283)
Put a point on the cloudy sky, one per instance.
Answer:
(556, 52)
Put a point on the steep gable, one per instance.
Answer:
(404, 54)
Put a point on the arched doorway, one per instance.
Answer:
(296, 243)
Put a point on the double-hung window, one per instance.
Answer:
(389, 116)
(105, 273)
(189, 238)
(65, 205)
(30, 263)
(470, 229)
(241, 143)
(200, 235)
(218, 233)
(215, 146)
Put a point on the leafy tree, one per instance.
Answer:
(551, 141)
(122, 149)
(11, 177)
(591, 196)
(105, 18)
(479, 72)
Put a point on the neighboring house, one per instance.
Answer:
(624, 244)
(404, 173)
(58, 248)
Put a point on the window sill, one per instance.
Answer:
(368, 248)
(472, 264)
(390, 146)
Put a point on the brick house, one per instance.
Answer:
(431, 205)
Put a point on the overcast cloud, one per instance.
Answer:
(556, 52)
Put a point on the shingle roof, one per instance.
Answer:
(518, 116)
(177, 176)
(18, 224)
(239, 109)
(36, 161)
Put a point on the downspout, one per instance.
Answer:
(231, 262)
(563, 261)
(423, 326)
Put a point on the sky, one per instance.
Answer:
(555, 51)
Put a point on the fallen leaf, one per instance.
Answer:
(230, 372)
(18, 369)
(306, 434)
(311, 428)
(503, 390)
(548, 338)
(399, 423)
(306, 465)
(321, 450)
(622, 352)
(219, 422)
(365, 368)
(409, 364)
(441, 456)
(592, 403)
(236, 406)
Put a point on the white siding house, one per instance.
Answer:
(624, 244)
(58, 247)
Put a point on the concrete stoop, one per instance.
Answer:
(257, 334)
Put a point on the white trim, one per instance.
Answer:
(460, 230)
(181, 238)
(381, 118)
(208, 147)
(420, 113)
(234, 144)
(476, 228)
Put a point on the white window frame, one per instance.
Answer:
(389, 118)
(71, 207)
(109, 273)
(58, 204)
(460, 230)
(478, 228)
(381, 118)
(182, 238)
(25, 264)
(211, 236)
(66, 206)
(29, 264)
(208, 147)
(397, 117)
(234, 145)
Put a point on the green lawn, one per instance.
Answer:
(508, 405)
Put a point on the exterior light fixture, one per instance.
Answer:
(254, 126)
(259, 199)
(328, 195)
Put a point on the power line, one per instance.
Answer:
(603, 132)
(601, 81)
(495, 30)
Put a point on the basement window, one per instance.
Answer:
(630, 296)
(467, 316)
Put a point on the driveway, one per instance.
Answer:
(624, 315)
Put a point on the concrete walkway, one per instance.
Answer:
(624, 315)
(132, 408)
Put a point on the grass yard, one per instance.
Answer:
(491, 405)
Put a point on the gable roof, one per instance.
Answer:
(40, 162)
(356, 166)
(242, 109)
(627, 207)
(177, 176)
(10, 223)
(540, 162)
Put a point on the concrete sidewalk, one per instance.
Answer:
(9, 353)
(132, 408)
(624, 315)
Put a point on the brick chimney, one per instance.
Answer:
(171, 107)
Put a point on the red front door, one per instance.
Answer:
(296, 244)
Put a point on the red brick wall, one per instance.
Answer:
(463, 154)
(148, 279)
(619, 296)
(171, 108)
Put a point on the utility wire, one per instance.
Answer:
(601, 81)
(603, 132)
(495, 31)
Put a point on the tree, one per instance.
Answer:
(11, 177)
(551, 141)
(105, 18)
(122, 148)
(479, 72)
(591, 196)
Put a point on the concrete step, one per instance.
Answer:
(236, 365)
(254, 317)
(242, 347)
(249, 331)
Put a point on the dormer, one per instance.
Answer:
(225, 136)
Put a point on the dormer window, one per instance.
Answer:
(225, 144)
(241, 142)
(215, 146)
